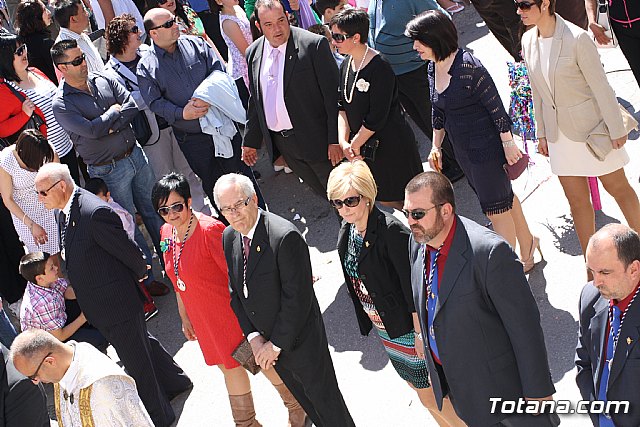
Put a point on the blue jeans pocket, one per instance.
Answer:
(100, 171)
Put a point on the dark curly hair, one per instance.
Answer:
(29, 17)
(117, 33)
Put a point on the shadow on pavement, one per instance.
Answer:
(343, 333)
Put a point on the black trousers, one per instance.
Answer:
(314, 173)
(414, 94)
(503, 21)
(156, 374)
(629, 40)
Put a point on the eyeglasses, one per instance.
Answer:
(524, 5)
(76, 61)
(35, 374)
(233, 209)
(134, 29)
(21, 50)
(351, 202)
(176, 207)
(418, 214)
(340, 37)
(45, 193)
(170, 23)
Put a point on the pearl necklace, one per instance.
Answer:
(176, 261)
(355, 79)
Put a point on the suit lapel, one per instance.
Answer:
(259, 243)
(371, 235)
(598, 327)
(417, 282)
(257, 66)
(291, 57)
(556, 46)
(238, 261)
(536, 66)
(454, 265)
(629, 335)
(74, 214)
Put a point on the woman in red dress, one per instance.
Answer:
(192, 247)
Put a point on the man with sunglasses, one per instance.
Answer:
(103, 265)
(87, 384)
(478, 319)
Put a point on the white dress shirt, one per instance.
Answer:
(94, 60)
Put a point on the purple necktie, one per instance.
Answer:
(271, 94)
(245, 252)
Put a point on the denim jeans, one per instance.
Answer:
(130, 181)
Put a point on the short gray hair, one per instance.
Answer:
(33, 344)
(56, 172)
(241, 181)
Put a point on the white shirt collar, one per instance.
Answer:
(253, 229)
(68, 381)
(67, 207)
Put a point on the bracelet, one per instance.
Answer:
(509, 143)
(23, 217)
(418, 335)
(435, 147)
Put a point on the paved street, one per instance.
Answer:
(373, 391)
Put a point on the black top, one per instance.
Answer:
(375, 105)
(39, 53)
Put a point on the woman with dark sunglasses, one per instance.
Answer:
(370, 110)
(466, 105)
(373, 249)
(32, 19)
(574, 103)
(192, 249)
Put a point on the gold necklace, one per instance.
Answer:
(355, 79)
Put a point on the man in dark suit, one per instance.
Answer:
(22, 403)
(103, 265)
(272, 296)
(478, 319)
(608, 354)
(293, 82)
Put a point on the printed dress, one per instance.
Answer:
(401, 350)
(237, 66)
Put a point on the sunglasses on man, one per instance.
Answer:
(75, 62)
(418, 214)
(170, 23)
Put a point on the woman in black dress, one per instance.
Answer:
(369, 108)
(32, 20)
(467, 105)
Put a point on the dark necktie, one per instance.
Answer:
(62, 223)
(605, 419)
(246, 245)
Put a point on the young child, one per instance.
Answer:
(98, 187)
(328, 8)
(49, 303)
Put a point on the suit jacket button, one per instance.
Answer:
(363, 277)
(373, 294)
(262, 333)
(381, 313)
(253, 313)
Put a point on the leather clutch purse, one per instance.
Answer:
(515, 170)
(599, 140)
(244, 355)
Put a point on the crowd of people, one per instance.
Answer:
(122, 113)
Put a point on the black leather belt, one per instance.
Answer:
(116, 158)
(284, 133)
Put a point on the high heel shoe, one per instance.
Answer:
(529, 263)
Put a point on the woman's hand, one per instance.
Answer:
(619, 142)
(28, 107)
(435, 159)
(419, 345)
(512, 154)
(187, 329)
(542, 147)
(39, 235)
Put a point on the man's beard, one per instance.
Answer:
(422, 235)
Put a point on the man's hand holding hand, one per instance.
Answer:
(267, 356)
(194, 109)
(249, 155)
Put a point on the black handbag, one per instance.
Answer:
(369, 148)
(140, 123)
(34, 122)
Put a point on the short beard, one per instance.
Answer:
(425, 235)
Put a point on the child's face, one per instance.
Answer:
(50, 274)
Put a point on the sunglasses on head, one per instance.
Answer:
(524, 5)
(170, 23)
(418, 214)
(350, 202)
(21, 50)
(176, 207)
(134, 29)
(76, 61)
(340, 37)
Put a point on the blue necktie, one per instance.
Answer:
(432, 299)
(605, 420)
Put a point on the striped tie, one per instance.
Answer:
(245, 256)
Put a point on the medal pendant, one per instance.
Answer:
(245, 291)
(363, 289)
(181, 285)
(432, 332)
(432, 295)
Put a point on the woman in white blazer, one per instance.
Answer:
(572, 98)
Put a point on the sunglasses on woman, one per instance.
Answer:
(76, 61)
(524, 5)
(340, 37)
(170, 23)
(351, 202)
(21, 50)
(176, 207)
(134, 30)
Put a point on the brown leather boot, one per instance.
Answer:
(297, 416)
(244, 415)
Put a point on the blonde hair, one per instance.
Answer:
(356, 175)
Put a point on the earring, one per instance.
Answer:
(368, 203)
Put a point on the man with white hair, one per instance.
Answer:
(103, 265)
